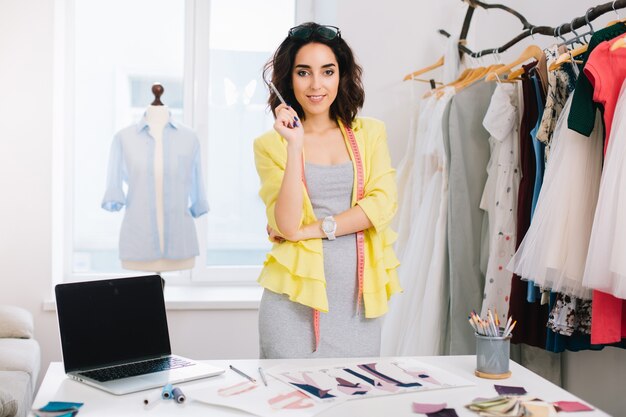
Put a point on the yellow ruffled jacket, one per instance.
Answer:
(297, 268)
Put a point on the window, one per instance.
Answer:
(239, 45)
(208, 55)
(113, 71)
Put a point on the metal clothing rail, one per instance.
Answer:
(529, 28)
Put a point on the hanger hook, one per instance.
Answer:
(473, 58)
(496, 56)
(576, 37)
(616, 12)
(558, 33)
(587, 20)
(571, 28)
(531, 32)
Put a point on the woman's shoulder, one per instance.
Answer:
(269, 139)
(368, 125)
(369, 131)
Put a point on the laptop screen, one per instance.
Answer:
(111, 321)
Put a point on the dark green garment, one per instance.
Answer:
(583, 111)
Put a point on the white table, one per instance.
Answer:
(57, 387)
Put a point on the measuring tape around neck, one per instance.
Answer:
(360, 236)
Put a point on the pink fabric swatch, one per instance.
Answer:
(569, 406)
(424, 408)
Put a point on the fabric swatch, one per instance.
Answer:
(508, 390)
(537, 408)
(446, 412)
(58, 409)
(425, 408)
(60, 406)
(570, 406)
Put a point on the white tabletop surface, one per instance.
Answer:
(57, 387)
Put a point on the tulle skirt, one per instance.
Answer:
(554, 250)
(606, 260)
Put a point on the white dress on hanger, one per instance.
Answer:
(415, 324)
(554, 250)
(500, 195)
(409, 175)
(409, 192)
(606, 259)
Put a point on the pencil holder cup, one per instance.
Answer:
(492, 356)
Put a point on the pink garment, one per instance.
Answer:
(606, 71)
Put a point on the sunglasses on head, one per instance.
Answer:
(325, 31)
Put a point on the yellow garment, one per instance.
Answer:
(297, 268)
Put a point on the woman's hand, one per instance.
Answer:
(309, 231)
(273, 235)
(288, 125)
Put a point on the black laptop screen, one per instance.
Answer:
(111, 321)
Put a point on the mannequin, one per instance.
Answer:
(157, 116)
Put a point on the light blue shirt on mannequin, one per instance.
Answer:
(131, 161)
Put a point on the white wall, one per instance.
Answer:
(391, 39)
(26, 117)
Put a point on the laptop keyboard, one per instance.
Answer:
(136, 368)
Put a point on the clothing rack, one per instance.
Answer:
(529, 28)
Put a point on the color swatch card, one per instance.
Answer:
(571, 406)
(512, 406)
(362, 380)
(509, 390)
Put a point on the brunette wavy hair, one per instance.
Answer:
(350, 96)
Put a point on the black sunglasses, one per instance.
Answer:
(304, 32)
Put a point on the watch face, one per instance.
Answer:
(327, 226)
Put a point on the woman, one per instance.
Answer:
(321, 228)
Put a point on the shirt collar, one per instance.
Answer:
(143, 123)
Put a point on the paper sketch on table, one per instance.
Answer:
(362, 380)
(275, 399)
(307, 391)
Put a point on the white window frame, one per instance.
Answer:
(196, 76)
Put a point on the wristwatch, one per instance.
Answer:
(329, 227)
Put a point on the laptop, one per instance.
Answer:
(114, 336)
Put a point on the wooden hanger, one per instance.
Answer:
(467, 76)
(417, 73)
(478, 76)
(466, 72)
(515, 75)
(470, 75)
(616, 21)
(620, 43)
(533, 51)
(423, 80)
(568, 56)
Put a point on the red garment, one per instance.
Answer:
(608, 318)
(606, 70)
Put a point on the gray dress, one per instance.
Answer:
(286, 327)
